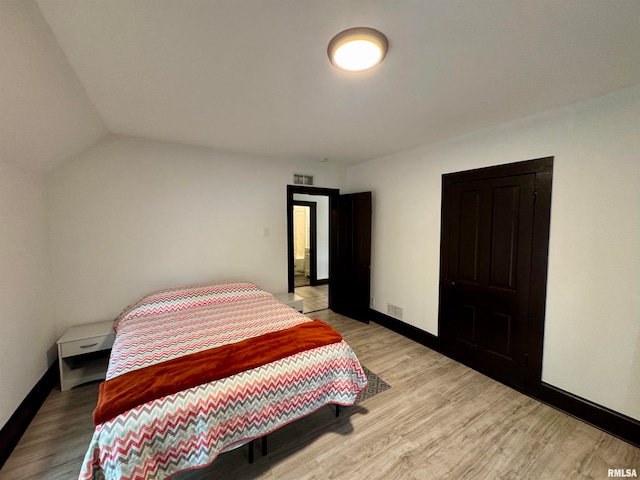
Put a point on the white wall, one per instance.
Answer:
(592, 337)
(27, 337)
(131, 216)
(322, 232)
(45, 117)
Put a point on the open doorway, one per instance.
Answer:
(309, 211)
(346, 263)
(311, 250)
(304, 243)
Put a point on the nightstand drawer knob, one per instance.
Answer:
(89, 346)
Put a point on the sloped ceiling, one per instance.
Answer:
(253, 75)
(46, 116)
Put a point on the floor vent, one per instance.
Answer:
(394, 311)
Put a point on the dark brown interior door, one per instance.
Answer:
(486, 287)
(349, 284)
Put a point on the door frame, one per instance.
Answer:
(333, 194)
(543, 170)
(313, 240)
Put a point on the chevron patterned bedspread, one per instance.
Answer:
(190, 428)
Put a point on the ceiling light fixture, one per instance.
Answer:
(357, 49)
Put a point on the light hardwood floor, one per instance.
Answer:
(315, 298)
(300, 279)
(439, 420)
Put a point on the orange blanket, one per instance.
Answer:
(134, 388)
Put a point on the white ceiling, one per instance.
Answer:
(253, 75)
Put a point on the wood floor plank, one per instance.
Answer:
(315, 298)
(439, 420)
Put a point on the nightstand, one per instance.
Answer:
(294, 301)
(83, 353)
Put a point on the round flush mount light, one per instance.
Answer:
(357, 49)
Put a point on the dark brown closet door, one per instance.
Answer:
(485, 295)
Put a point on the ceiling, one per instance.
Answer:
(253, 75)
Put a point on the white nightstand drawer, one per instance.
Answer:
(87, 345)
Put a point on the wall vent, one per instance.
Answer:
(302, 179)
(394, 311)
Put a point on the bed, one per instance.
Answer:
(221, 337)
